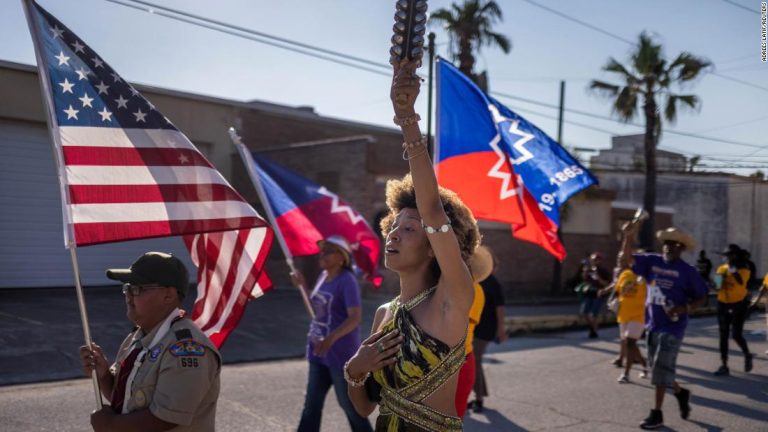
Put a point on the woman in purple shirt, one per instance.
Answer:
(334, 334)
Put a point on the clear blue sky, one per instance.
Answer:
(154, 50)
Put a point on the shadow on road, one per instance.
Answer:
(495, 422)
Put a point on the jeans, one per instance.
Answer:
(320, 380)
(731, 317)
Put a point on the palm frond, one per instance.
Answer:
(603, 88)
(670, 109)
(688, 66)
(613, 65)
(499, 40)
(625, 105)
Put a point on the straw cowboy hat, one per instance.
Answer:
(676, 235)
(341, 244)
(481, 264)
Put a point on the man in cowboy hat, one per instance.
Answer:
(674, 289)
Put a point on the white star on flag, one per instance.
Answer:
(66, 86)
(78, 47)
(86, 100)
(57, 32)
(102, 88)
(62, 59)
(105, 115)
(71, 113)
(183, 158)
(122, 102)
(82, 74)
(97, 62)
(140, 116)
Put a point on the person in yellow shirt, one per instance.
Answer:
(731, 281)
(763, 291)
(631, 291)
(479, 266)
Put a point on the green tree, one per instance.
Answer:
(469, 27)
(647, 85)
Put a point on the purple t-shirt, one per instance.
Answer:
(330, 302)
(674, 283)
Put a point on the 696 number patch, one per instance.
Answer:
(189, 362)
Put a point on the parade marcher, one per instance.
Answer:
(491, 326)
(411, 361)
(674, 289)
(595, 277)
(760, 294)
(166, 373)
(631, 292)
(334, 334)
(732, 304)
(704, 267)
(467, 374)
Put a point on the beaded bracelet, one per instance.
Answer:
(354, 382)
(415, 149)
(407, 121)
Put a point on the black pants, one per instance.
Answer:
(730, 317)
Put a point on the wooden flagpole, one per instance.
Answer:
(251, 166)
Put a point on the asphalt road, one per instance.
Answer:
(557, 381)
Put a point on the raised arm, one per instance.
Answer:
(456, 276)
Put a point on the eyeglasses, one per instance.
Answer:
(136, 290)
(328, 251)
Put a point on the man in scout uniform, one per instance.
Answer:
(166, 374)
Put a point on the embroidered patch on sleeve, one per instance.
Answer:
(187, 348)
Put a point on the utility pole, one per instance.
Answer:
(557, 271)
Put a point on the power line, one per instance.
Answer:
(733, 3)
(597, 116)
(255, 36)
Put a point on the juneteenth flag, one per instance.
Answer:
(502, 166)
(127, 173)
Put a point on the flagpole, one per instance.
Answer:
(69, 237)
(557, 270)
(251, 166)
(431, 49)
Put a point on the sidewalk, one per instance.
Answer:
(40, 329)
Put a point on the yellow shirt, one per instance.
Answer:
(731, 291)
(474, 316)
(631, 290)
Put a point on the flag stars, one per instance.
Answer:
(116, 77)
(140, 116)
(66, 86)
(86, 100)
(71, 113)
(82, 74)
(102, 88)
(97, 63)
(183, 159)
(105, 115)
(134, 92)
(78, 47)
(62, 59)
(57, 32)
(122, 102)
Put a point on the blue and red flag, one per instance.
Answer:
(306, 212)
(503, 167)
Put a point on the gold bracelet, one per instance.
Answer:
(354, 382)
(407, 121)
(415, 148)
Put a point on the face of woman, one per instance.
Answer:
(407, 244)
(331, 257)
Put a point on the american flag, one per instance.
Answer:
(127, 173)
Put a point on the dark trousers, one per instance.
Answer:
(730, 319)
(320, 380)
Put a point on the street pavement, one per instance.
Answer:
(541, 382)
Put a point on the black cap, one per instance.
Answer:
(154, 268)
(732, 249)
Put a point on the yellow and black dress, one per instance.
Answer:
(423, 365)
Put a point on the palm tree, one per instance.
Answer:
(469, 27)
(647, 82)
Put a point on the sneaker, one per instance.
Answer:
(623, 379)
(748, 362)
(723, 371)
(592, 334)
(643, 374)
(654, 420)
(617, 362)
(683, 399)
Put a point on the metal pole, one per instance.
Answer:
(69, 241)
(557, 271)
(251, 166)
(431, 48)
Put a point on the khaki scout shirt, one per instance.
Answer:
(178, 379)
